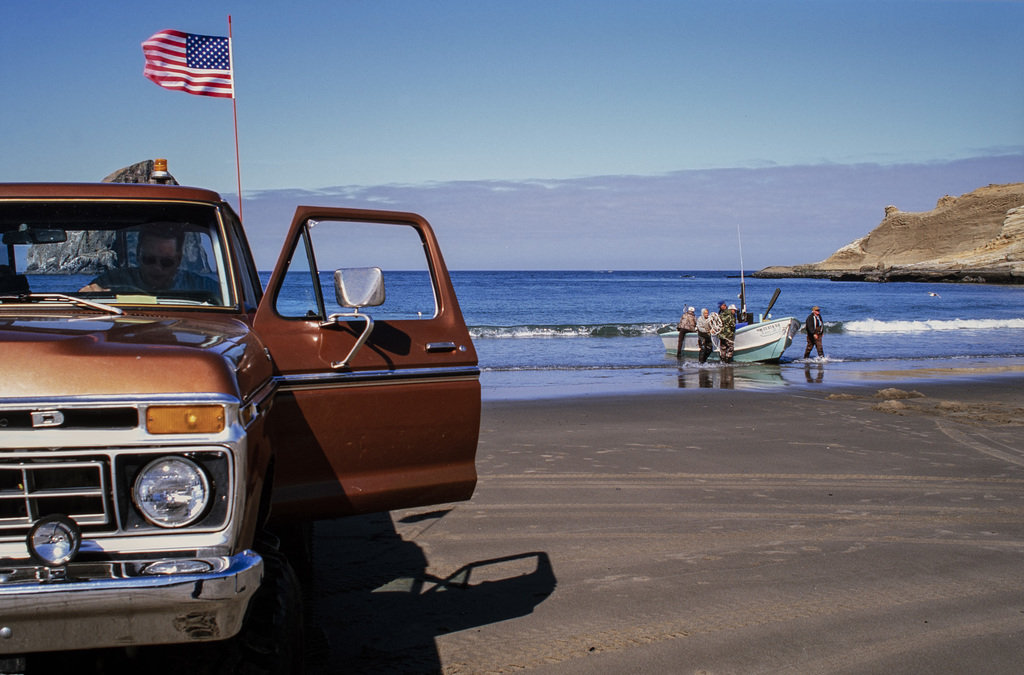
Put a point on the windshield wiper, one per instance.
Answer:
(61, 297)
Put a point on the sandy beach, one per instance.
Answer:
(855, 528)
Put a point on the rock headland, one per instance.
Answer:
(976, 237)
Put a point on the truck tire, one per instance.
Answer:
(271, 640)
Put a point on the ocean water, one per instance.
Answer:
(555, 333)
(550, 333)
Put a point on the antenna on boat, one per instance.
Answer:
(743, 286)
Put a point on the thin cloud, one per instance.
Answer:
(679, 220)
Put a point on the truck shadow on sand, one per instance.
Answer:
(371, 605)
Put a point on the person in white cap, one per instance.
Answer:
(687, 324)
(704, 345)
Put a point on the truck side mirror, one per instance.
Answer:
(359, 287)
(356, 287)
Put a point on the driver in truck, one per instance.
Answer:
(159, 266)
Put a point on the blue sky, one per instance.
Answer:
(543, 134)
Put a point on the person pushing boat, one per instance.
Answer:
(704, 345)
(687, 324)
(727, 336)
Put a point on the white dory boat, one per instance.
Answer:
(761, 341)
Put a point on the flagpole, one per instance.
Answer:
(234, 111)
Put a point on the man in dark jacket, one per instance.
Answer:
(815, 328)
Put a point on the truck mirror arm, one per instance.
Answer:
(335, 319)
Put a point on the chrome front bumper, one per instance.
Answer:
(123, 609)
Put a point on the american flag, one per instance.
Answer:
(197, 64)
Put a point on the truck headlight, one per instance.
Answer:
(171, 492)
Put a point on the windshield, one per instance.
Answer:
(119, 253)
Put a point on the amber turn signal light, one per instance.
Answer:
(185, 419)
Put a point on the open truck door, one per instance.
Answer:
(378, 403)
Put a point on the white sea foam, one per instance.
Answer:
(876, 326)
(565, 331)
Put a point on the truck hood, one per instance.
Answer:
(48, 355)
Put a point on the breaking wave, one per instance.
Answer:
(566, 330)
(876, 326)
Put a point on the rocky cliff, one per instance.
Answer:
(978, 236)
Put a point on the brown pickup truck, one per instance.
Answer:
(163, 409)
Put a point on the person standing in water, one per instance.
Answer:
(815, 328)
(728, 333)
(704, 345)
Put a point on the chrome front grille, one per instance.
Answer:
(93, 487)
(30, 490)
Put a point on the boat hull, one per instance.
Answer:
(762, 342)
